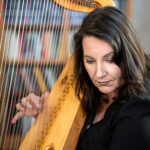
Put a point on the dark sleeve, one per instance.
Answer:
(132, 132)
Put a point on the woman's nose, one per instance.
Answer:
(100, 71)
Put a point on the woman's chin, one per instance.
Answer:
(107, 90)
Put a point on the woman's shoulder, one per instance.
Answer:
(135, 108)
(132, 125)
(139, 106)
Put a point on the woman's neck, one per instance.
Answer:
(111, 96)
(103, 107)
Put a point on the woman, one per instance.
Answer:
(112, 73)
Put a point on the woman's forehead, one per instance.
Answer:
(94, 46)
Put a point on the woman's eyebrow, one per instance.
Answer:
(86, 56)
(110, 53)
(106, 55)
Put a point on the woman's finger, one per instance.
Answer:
(20, 107)
(33, 100)
(44, 97)
(46, 94)
(26, 103)
(17, 116)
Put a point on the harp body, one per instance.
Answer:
(59, 124)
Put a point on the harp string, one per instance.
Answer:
(11, 140)
(25, 35)
(18, 79)
(13, 65)
(51, 32)
(36, 27)
(56, 31)
(5, 104)
(2, 62)
(17, 129)
(27, 65)
(2, 59)
(35, 30)
(20, 55)
(61, 31)
(2, 103)
(40, 65)
(5, 132)
(22, 51)
(49, 39)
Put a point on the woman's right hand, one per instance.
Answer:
(30, 106)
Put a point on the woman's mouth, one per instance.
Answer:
(104, 83)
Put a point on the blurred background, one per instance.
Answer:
(139, 13)
(140, 17)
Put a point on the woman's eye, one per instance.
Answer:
(110, 60)
(89, 61)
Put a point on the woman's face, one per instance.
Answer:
(98, 61)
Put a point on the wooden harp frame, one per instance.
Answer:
(84, 6)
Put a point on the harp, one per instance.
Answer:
(23, 63)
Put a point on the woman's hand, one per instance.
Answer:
(30, 106)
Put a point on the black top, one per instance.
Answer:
(124, 127)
